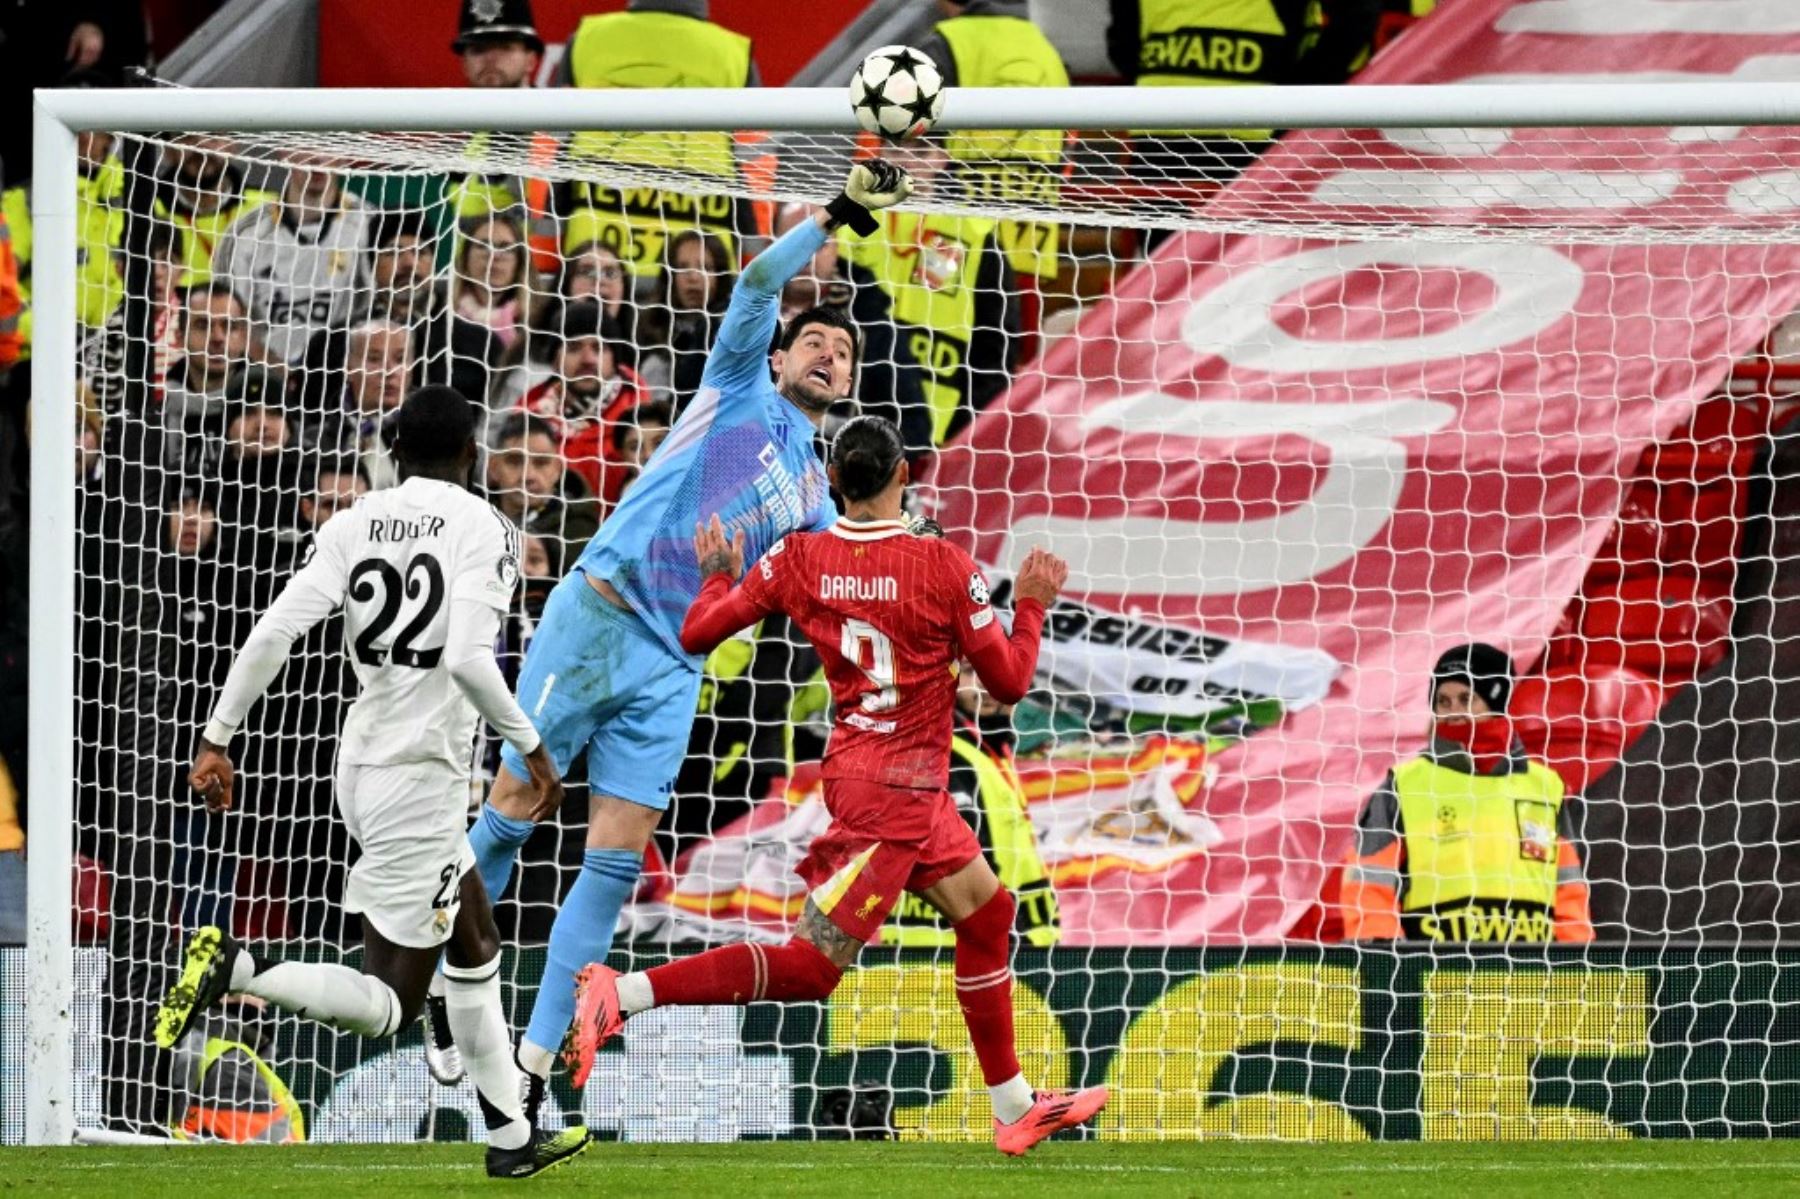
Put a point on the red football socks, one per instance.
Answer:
(984, 986)
(745, 973)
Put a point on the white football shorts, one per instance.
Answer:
(412, 824)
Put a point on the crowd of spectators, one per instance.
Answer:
(250, 321)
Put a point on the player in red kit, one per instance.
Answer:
(891, 614)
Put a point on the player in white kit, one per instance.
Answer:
(424, 572)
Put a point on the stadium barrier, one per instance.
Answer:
(1260, 1043)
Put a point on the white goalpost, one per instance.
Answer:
(1405, 381)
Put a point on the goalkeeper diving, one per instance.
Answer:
(606, 672)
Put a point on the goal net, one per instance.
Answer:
(1302, 416)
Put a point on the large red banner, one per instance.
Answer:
(1383, 448)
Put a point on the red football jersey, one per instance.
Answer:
(890, 614)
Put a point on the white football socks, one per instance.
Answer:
(334, 995)
(535, 1058)
(1012, 1099)
(478, 1023)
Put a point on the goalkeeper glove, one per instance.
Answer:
(873, 184)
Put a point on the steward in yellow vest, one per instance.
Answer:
(954, 307)
(657, 43)
(990, 797)
(99, 232)
(992, 43)
(1231, 43)
(1470, 841)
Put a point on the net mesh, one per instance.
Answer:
(1301, 420)
(1701, 183)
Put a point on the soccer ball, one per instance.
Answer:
(897, 93)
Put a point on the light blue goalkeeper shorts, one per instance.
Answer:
(596, 677)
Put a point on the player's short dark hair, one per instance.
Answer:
(836, 318)
(866, 452)
(433, 427)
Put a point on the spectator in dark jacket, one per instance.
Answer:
(259, 474)
(352, 397)
(529, 482)
(41, 43)
(216, 340)
(447, 348)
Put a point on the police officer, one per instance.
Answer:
(992, 43)
(660, 43)
(500, 47)
(1469, 841)
(498, 43)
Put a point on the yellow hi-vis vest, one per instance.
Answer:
(1016, 857)
(1221, 43)
(274, 1118)
(654, 49)
(99, 235)
(1480, 852)
(1010, 166)
(200, 234)
(927, 264)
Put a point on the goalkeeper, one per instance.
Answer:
(606, 671)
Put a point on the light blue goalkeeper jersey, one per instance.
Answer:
(740, 451)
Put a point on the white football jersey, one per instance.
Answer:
(395, 562)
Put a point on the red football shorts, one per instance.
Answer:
(882, 841)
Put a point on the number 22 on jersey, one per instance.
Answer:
(376, 579)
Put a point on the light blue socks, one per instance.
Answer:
(496, 840)
(583, 933)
